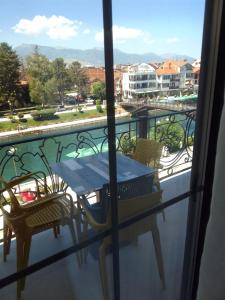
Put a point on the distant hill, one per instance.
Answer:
(95, 56)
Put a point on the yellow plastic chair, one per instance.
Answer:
(148, 152)
(48, 211)
(127, 209)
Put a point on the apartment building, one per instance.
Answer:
(140, 80)
(175, 75)
(169, 78)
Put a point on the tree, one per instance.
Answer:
(9, 74)
(61, 77)
(171, 134)
(39, 71)
(78, 78)
(98, 90)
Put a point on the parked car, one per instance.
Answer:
(89, 101)
(61, 108)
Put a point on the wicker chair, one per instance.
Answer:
(149, 152)
(129, 205)
(46, 212)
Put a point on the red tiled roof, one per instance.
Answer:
(166, 71)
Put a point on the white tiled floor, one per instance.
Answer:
(139, 275)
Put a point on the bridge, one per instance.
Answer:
(157, 105)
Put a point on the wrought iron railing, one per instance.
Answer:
(174, 130)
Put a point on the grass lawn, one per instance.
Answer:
(61, 118)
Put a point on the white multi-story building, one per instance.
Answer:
(171, 78)
(174, 75)
(139, 81)
(186, 75)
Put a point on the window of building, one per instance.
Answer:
(166, 77)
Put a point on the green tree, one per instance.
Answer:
(171, 134)
(61, 77)
(98, 90)
(9, 74)
(39, 71)
(78, 78)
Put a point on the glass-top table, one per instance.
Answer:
(87, 174)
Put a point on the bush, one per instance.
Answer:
(13, 120)
(190, 141)
(99, 108)
(23, 120)
(98, 102)
(48, 114)
(80, 109)
(20, 115)
(127, 145)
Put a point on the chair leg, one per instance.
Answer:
(103, 273)
(84, 238)
(20, 257)
(55, 232)
(74, 238)
(7, 235)
(58, 229)
(79, 236)
(158, 252)
(163, 215)
(26, 249)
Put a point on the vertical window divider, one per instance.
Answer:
(109, 78)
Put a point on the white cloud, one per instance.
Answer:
(148, 39)
(121, 34)
(55, 27)
(172, 40)
(86, 31)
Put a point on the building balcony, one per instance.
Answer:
(65, 279)
(143, 90)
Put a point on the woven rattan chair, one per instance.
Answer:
(128, 207)
(45, 212)
(149, 152)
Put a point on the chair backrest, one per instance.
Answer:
(148, 152)
(135, 187)
(133, 207)
(129, 189)
(5, 187)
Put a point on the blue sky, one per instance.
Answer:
(142, 26)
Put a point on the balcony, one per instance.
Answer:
(64, 279)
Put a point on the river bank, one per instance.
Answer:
(41, 129)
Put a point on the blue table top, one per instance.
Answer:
(87, 174)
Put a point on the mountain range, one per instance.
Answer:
(95, 56)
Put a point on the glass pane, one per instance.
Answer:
(157, 50)
(54, 123)
(151, 262)
(62, 280)
(159, 63)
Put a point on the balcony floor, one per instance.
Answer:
(139, 274)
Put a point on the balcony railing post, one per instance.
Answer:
(143, 127)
